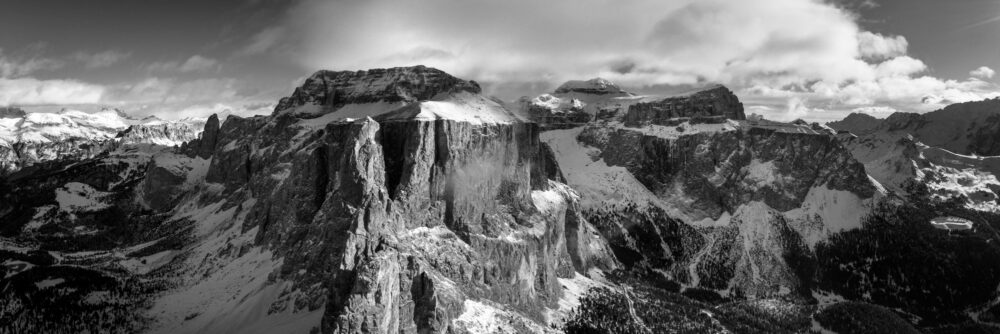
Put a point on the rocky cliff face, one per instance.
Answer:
(403, 201)
(410, 221)
(730, 207)
(713, 102)
(331, 90)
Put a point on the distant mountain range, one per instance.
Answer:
(30, 138)
(403, 200)
(955, 151)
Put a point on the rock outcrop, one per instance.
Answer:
(718, 171)
(397, 223)
(333, 89)
(164, 134)
(403, 201)
(716, 101)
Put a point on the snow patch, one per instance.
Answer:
(762, 173)
(48, 283)
(598, 184)
(572, 290)
(80, 197)
(481, 317)
(825, 211)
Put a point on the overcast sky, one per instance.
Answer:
(786, 59)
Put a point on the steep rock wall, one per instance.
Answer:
(719, 101)
(400, 221)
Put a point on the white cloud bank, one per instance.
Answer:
(790, 56)
(30, 91)
(18, 89)
(983, 72)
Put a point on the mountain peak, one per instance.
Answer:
(118, 111)
(332, 89)
(596, 86)
(857, 123)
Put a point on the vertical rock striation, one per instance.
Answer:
(389, 224)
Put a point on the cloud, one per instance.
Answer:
(25, 63)
(30, 91)
(769, 51)
(877, 46)
(100, 59)
(193, 64)
(173, 98)
(903, 66)
(983, 72)
(154, 90)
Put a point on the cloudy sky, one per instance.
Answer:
(786, 59)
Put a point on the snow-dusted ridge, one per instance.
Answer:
(72, 134)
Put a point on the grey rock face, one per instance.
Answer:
(209, 137)
(390, 224)
(735, 186)
(711, 167)
(164, 134)
(400, 84)
(719, 101)
(553, 119)
(24, 154)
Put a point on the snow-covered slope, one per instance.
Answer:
(71, 134)
(404, 201)
(686, 187)
(952, 151)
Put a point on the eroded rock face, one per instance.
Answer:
(715, 102)
(391, 224)
(719, 171)
(758, 254)
(732, 207)
(24, 154)
(332, 89)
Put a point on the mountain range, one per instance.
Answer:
(30, 138)
(404, 200)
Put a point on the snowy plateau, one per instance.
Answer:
(404, 200)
